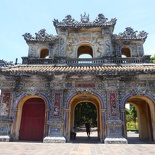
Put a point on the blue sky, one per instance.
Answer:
(20, 16)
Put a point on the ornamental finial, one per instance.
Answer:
(85, 18)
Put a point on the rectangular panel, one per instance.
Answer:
(5, 104)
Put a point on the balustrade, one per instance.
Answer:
(86, 61)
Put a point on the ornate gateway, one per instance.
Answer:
(55, 78)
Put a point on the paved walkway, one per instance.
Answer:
(18, 148)
(84, 146)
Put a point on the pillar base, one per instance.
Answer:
(54, 140)
(4, 138)
(115, 141)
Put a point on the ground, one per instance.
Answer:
(138, 147)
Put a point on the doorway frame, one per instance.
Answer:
(69, 111)
(18, 115)
(150, 101)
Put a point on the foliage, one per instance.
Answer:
(131, 126)
(152, 59)
(85, 111)
(131, 118)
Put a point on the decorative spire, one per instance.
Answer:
(85, 18)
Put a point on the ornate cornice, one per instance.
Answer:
(70, 22)
(41, 36)
(130, 34)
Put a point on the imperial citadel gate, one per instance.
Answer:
(39, 97)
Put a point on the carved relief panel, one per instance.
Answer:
(94, 40)
(32, 53)
(140, 50)
(108, 46)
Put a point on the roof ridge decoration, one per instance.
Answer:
(41, 36)
(70, 22)
(84, 18)
(130, 34)
(5, 63)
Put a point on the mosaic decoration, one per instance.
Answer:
(115, 131)
(3, 129)
(113, 105)
(85, 85)
(57, 101)
(55, 127)
(57, 105)
(7, 83)
(5, 104)
(55, 131)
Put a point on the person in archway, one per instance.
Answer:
(73, 133)
(87, 125)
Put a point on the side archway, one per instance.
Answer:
(44, 53)
(35, 103)
(145, 106)
(126, 51)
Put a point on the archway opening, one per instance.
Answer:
(44, 53)
(32, 120)
(139, 120)
(85, 112)
(85, 51)
(125, 52)
(131, 121)
(91, 112)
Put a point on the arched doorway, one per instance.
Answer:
(85, 51)
(145, 119)
(32, 121)
(31, 110)
(44, 53)
(125, 52)
(85, 98)
(85, 112)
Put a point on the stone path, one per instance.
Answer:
(20, 148)
(84, 146)
(133, 138)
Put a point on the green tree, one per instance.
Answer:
(85, 111)
(133, 114)
(131, 117)
(152, 59)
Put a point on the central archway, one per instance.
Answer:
(85, 49)
(85, 113)
(74, 101)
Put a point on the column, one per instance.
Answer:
(56, 120)
(114, 123)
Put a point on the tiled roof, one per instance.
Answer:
(106, 69)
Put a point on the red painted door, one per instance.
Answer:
(32, 122)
